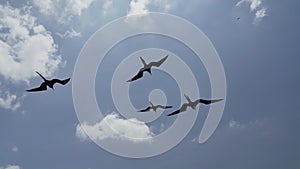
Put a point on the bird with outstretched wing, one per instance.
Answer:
(147, 68)
(48, 83)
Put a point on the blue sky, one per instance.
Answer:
(259, 52)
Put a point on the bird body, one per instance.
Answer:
(48, 83)
(154, 107)
(147, 68)
(192, 104)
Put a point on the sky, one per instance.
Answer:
(256, 40)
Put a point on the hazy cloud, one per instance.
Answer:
(15, 149)
(235, 125)
(106, 6)
(11, 167)
(62, 10)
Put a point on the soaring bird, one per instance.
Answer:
(49, 83)
(147, 68)
(192, 104)
(154, 107)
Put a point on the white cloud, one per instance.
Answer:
(114, 127)
(106, 6)
(69, 34)
(25, 46)
(138, 7)
(11, 167)
(260, 14)
(9, 101)
(62, 10)
(255, 6)
(15, 149)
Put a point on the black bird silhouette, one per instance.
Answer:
(192, 104)
(154, 108)
(147, 68)
(49, 83)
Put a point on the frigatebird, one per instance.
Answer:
(192, 104)
(49, 83)
(154, 107)
(147, 68)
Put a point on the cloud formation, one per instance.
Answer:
(114, 127)
(9, 101)
(106, 6)
(141, 7)
(138, 7)
(260, 14)
(11, 167)
(25, 45)
(255, 6)
(71, 8)
(69, 34)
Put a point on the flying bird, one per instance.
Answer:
(147, 68)
(49, 83)
(153, 107)
(238, 18)
(193, 104)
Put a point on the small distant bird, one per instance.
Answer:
(49, 83)
(192, 104)
(147, 68)
(238, 18)
(154, 108)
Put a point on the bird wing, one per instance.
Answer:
(145, 110)
(42, 87)
(208, 101)
(158, 63)
(143, 61)
(188, 98)
(164, 107)
(182, 109)
(137, 76)
(62, 82)
(175, 112)
(41, 76)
